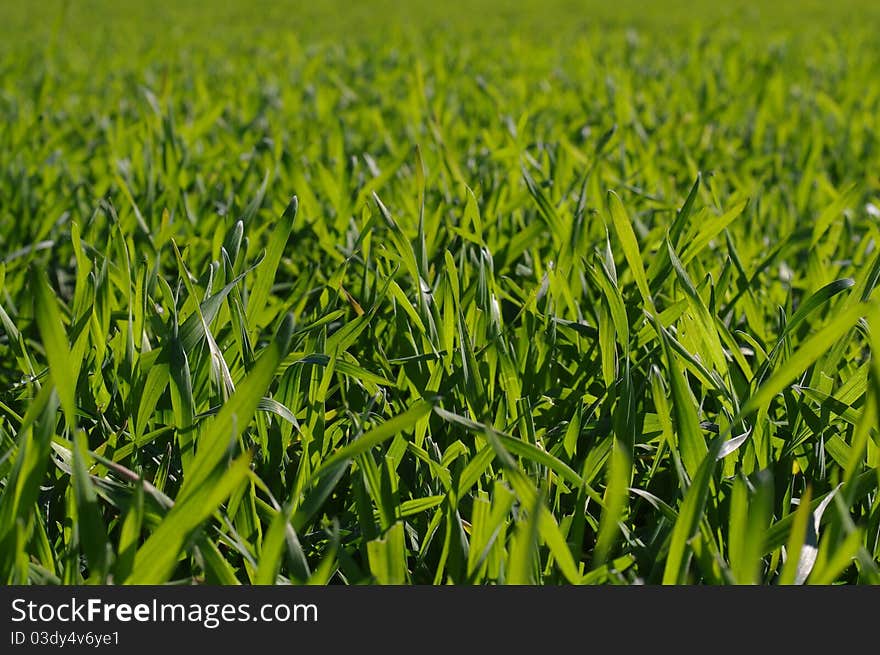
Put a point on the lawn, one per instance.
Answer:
(482, 293)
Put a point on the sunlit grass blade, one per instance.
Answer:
(630, 246)
(808, 352)
(689, 517)
(57, 346)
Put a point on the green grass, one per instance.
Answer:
(566, 293)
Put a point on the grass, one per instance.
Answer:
(577, 294)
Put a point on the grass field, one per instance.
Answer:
(538, 293)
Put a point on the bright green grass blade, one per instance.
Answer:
(842, 557)
(215, 439)
(266, 272)
(89, 524)
(689, 516)
(520, 569)
(690, 442)
(182, 399)
(218, 362)
(832, 213)
(548, 528)
(615, 303)
(867, 421)
(218, 570)
(270, 554)
(22, 487)
(630, 246)
(387, 557)
(505, 445)
(327, 568)
(815, 301)
(750, 515)
(156, 559)
(61, 366)
(616, 493)
(709, 230)
(705, 323)
(377, 435)
(130, 535)
(488, 528)
(808, 352)
(682, 215)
